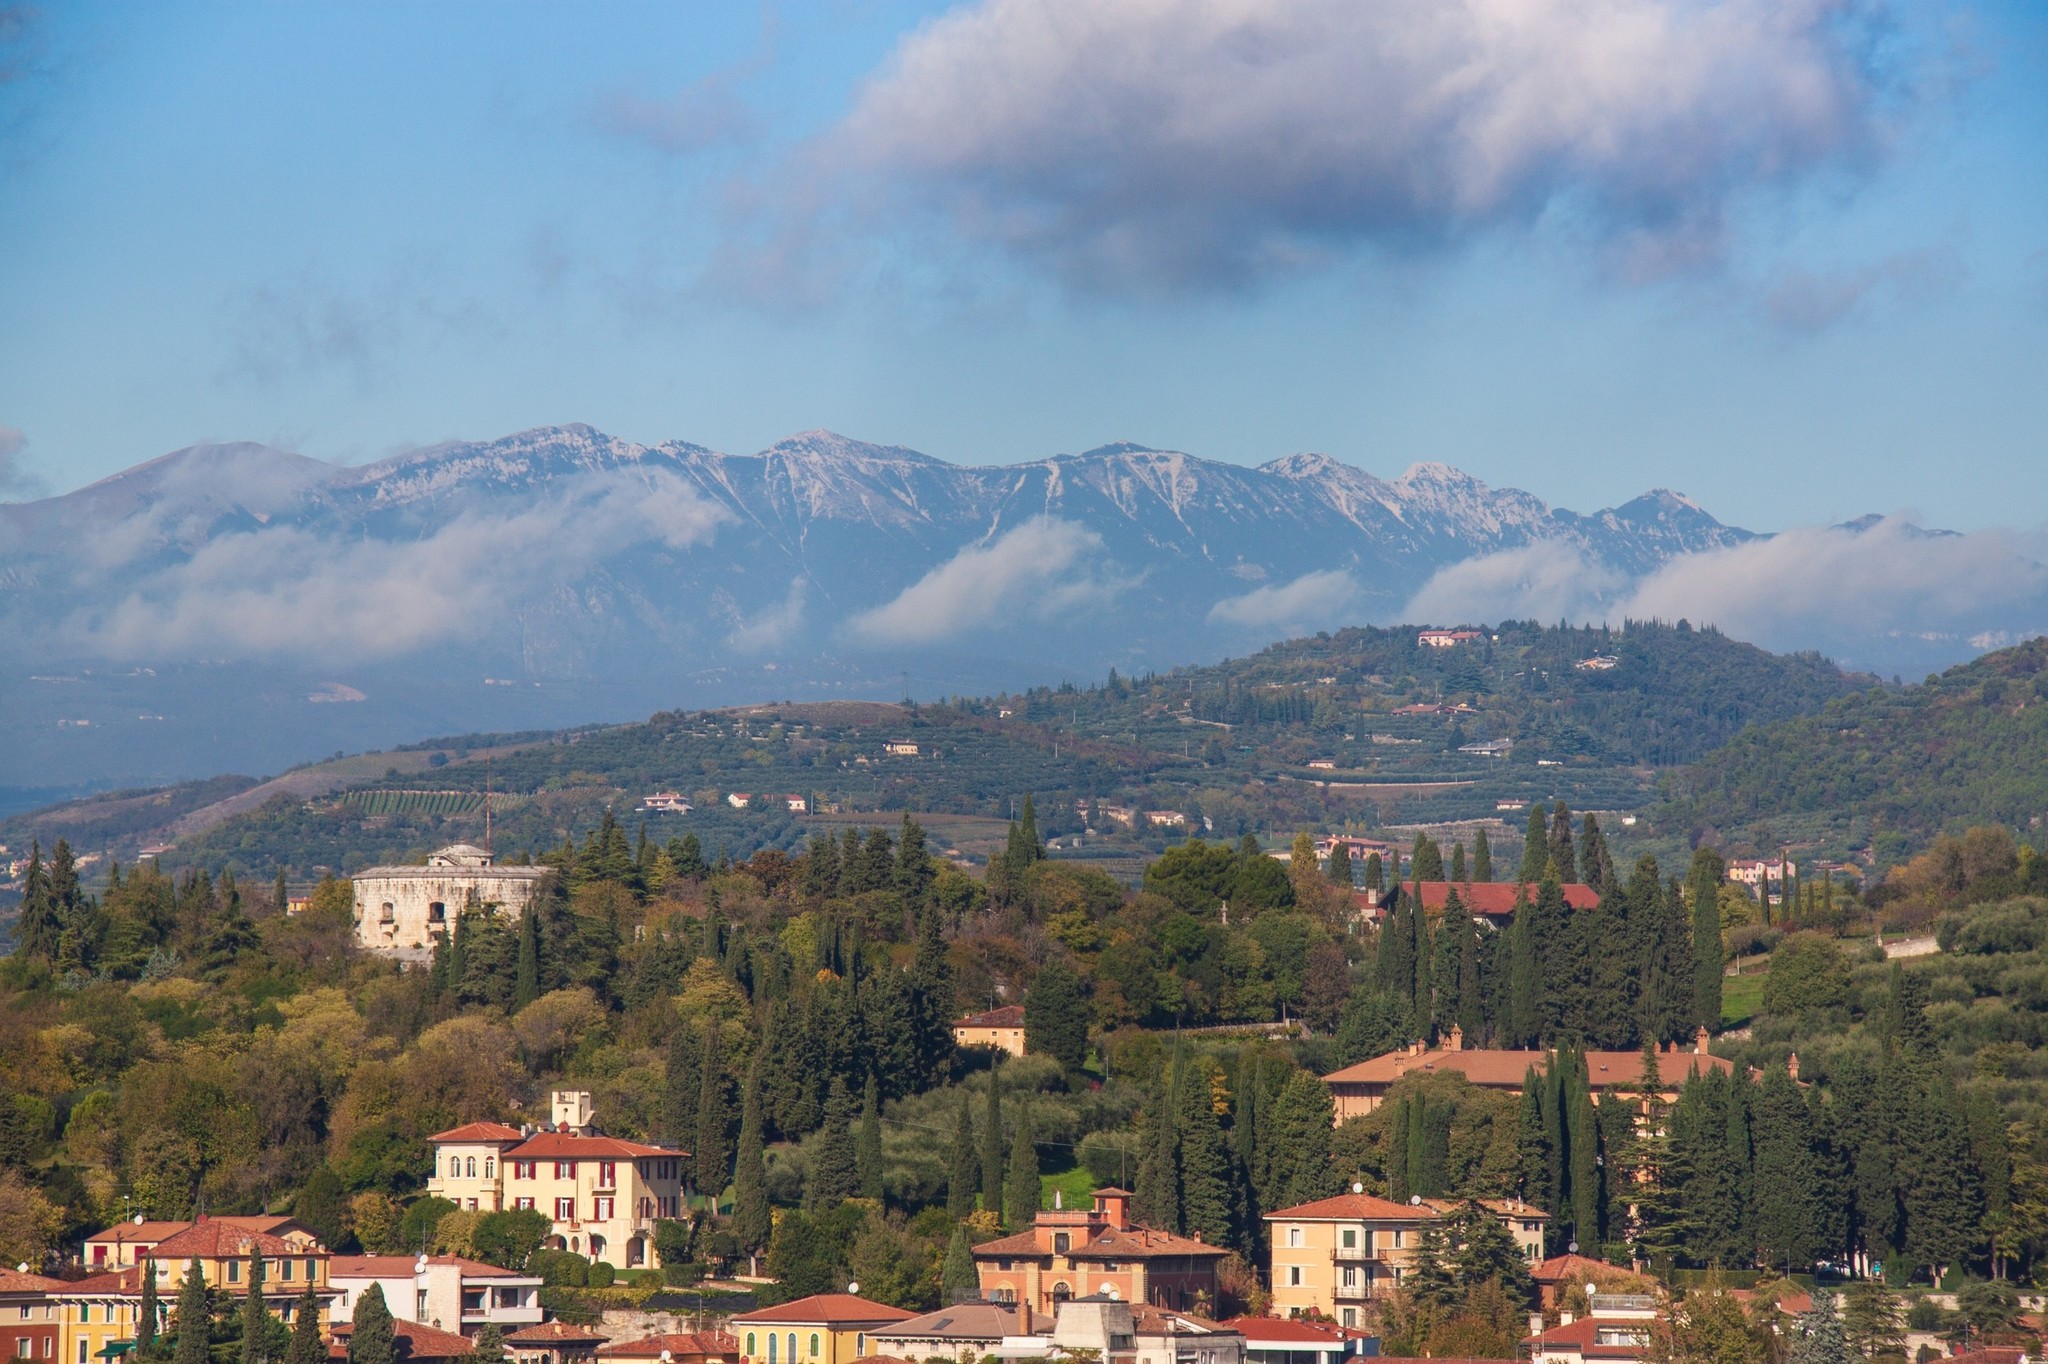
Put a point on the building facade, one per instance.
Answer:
(1074, 1253)
(400, 911)
(602, 1194)
(826, 1328)
(1334, 1255)
(30, 1324)
(446, 1292)
(1001, 1028)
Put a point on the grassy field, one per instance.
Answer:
(1742, 998)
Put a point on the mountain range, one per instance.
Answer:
(235, 606)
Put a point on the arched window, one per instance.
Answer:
(790, 1341)
(455, 1167)
(1061, 1292)
(472, 1167)
(750, 1344)
(490, 1167)
(814, 1345)
(771, 1347)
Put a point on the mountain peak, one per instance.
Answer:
(822, 444)
(1123, 447)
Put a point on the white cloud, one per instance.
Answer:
(1549, 580)
(15, 476)
(774, 627)
(1312, 600)
(1148, 142)
(1839, 590)
(1042, 567)
(1813, 301)
(286, 591)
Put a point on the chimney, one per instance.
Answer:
(1567, 1317)
(1457, 1042)
(1792, 1065)
(1699, 1041)
(1535, 1323)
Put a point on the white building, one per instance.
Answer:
(401, 910)
(444, 1291)
(1107, 1328)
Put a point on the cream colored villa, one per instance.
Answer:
(401, 910)
(603, 1194)
(1334, 1254)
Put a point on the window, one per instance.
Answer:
(82, 1355)
(24, 1346)
(490, 1167)
(523, 1204)
(419, 1304)
(750, 1344)
(310, 1270)
(234, 1271)
(1351, 1316)
(1351, 1238)
(601, 1208)
(565, 1169)
(1397, 1239)
(284, 1270)
(771, 1347)
(1061, 1242)
(608, 1174)
(790, 1341)
(455, 1167)
(860, 1345)
(472, 1167)
(1294, 1276)
(1294, 1236)
(814, 1345)
(1351, 1276)
(565, 1210)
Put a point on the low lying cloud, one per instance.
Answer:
(1842, 590)
(775, 627)
(16, 479)
(1043, 566)
(284, 591)
(1142, 143)
(1312, 600)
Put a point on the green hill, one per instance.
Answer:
(1882, 769)
(1361, 729)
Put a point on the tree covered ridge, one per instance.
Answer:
(1888, 767)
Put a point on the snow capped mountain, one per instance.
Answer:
(673, 574)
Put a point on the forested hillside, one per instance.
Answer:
(1884, 768)
(1358, 730)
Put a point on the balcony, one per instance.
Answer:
(1355, 1254)
(1354, 1292)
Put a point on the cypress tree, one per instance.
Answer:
(146, 1315)
(1375, 872)
(1156, 1197)
(1482, 857)
(1027, 830)
(1415, 1147)
(255, 1316)
(1458, 870)
(1339, 870)
(1206, 1203)
(1300, 1145)
(962, 1177)
(526, 981)
(992, 1146)
(835, 1170)
(868, 1150)
(279, 894)
(1783, 1186)
(1703, 891)
(1584, 1142)
(371, 1339)
(488, 1347)
(1427, 861)
(1597, 862)
(1561, 851)
(959, 1279)
(1525, 976)
(306, 1345)
(1055, 1019)
(713, 1157)
(1020, 1179)
(1535, 845)
(194, 1323)
(1533, 1153)
(751, 1221)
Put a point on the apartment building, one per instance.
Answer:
(1334, 1255)
(603, 1194)
(825, 1328)
(126, 1244)
(447, 1292)
(30, 1328)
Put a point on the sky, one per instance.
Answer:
(1787, 256)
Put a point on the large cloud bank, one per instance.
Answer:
(1043, 567)
(1149, 142)
(1856, 593)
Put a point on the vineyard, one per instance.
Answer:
(389, 802)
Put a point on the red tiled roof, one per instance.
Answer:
(1582, 1334)
(1023, 1246)
(1009, 1016)
(479, 1132)
(402, 1267)
(1505, 1069)
(1558, 1268)
(677, 1344)
(114, 1284)
(216, 1238)
(145, 1233)
(570, 1146)
(14, 1281)
(554, 1333)
(825, 1308)
(1292, 1331)
(1353, 1207)
(1142, 1243)
(416, 1341)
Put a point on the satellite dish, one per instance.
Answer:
(419, 1266)
(1357, 1187)
(853, 1287)
(1415, 1200)
(22, 1267)
(666, 1357)
(138, 1219)
(1572, 1247)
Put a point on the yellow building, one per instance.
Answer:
(1001, 1028)
(827, 1328)
(100, 1313)
(1333, 1255)
(603, 1194)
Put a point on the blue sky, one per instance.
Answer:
(1789, 258)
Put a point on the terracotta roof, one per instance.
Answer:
(1505, 1069)
(677, 1344)
(825, 1308)
(1443, 1359)
(555, 1333)
(1023, 1246)
(1558, 1268)
(1604, 1068)
(1499, 1207)
(416, 1341)
(961, 1321)
(1293, 1331)
(402, 1267)
(1582, 1334)
(1009, 1016)
(14, 1281)
(137, 1233)
(216, 1238)
(1141, 1243)
(1113, 1191)
(114, 1284)
(570, 1146)
(1352, 1207)
(479, 1131)
(1495, 899)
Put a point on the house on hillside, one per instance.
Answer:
(665, 803)
(1332, 1256)
(443, 1291)
(1359, 1089)
(825, 1328)
(1446, 639)
(1001, 1028)
(1073, 1253)
(900, 748)
(401, 911)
